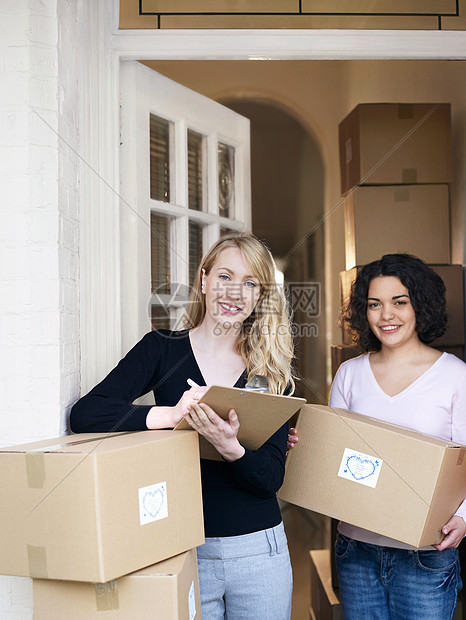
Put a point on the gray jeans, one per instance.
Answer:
(246, 577)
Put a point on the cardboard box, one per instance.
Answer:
(452, 275)
(372, 474)
(94, 507)
(168, 590)
(386, 220)
(392, 143)
(325, 603)
(260, 415)
(458, 351)
(340, 354)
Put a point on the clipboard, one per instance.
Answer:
(260, 415)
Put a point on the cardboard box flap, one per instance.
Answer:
(87, 443)
(54, 444)
(400, 430)
(260, 415)
(446, 488)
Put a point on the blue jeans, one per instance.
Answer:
(382, 583)
(246, 577)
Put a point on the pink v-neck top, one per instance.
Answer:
(434, 404)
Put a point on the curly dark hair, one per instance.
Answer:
(426, 291)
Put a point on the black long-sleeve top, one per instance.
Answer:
(239, 496)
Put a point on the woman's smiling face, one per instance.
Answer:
(390, 313)
(231, 289)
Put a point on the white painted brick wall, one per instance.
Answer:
(39, 206)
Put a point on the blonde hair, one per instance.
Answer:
(265, 340)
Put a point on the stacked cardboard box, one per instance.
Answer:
(168, 590)
(395, 144)
(395, 164)
(96, 507)
(325, 604)
(341, 353)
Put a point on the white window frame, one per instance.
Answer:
(103, 47)
(145, 92)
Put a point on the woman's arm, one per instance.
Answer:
(262, 471)
(108, 407)
(455, 529)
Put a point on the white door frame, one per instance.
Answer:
(103, 47)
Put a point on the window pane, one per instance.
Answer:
(160, 253)
(226, 176)
(195, 249)
(226, 231)
(160, 317)
(195, 170)
(159, 159)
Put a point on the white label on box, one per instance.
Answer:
(191, 602)
(360, 467)
(153, 503)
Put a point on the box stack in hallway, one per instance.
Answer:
(395, 165)
(395, 168)
(105, 524)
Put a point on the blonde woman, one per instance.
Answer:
(238, 326)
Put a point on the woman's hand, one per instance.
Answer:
(292, 438)
(222, 434)
(455, 531)
(168, 417)
(189, 398)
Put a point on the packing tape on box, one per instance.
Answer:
(106, 596)
(35, 463)
(409, 176)
(460, 459)
(35, 470)
(62, 446)
(37, 562)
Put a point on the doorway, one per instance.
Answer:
(287, 187)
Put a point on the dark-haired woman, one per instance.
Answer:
(397, 307)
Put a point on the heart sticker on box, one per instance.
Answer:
(153, 503)
(361, 468)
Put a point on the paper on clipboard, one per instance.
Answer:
(260, 415)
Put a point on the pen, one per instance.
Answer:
(192, 383)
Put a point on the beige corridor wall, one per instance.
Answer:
(320, 94)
